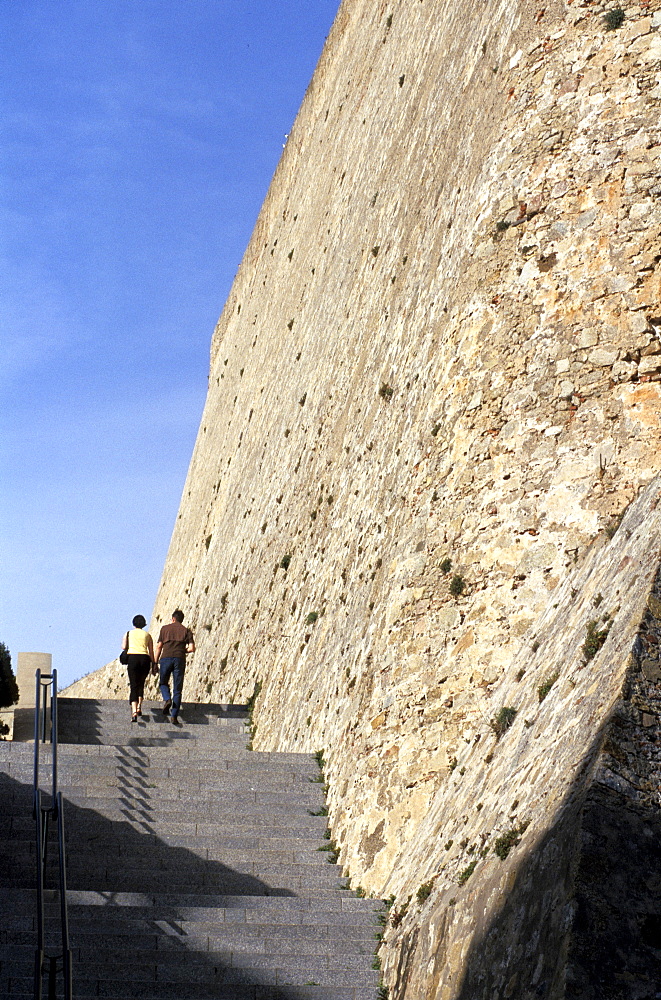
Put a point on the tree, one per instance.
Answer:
(8, 685)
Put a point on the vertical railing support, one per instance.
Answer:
(42, 815)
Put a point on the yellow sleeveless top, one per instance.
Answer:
(138, 640)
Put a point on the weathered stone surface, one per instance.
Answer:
(431, 369)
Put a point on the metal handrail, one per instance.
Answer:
(42, 815)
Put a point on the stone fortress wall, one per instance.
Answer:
(440, 361)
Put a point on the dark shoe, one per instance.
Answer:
(174, 720)
(166, 707)
(134, 718)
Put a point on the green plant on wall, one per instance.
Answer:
(595, 637)
(502, 721)
(614, 19)
(424, 891)
(467, 872)
(504, 844)
(546, 686)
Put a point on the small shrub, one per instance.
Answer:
(502, 225)
(424, 891)
(467, 872)
(502, 721)
(311, 617)
(546, 686)
(613, 525)
(250, 704)
(614, 19)
(435, 429)
(457, 585)
(448, 844)
(446, 565)
(594, 638)
(209, 687)
(386, 391)
(285, 561)
(398, 915)
(452, 764)
(520, 673)
(504, 844)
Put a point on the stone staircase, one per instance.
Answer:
(194, 865)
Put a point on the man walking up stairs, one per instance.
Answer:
(197, 869)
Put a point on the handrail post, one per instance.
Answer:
(39, 954)
(37, 714)
(42, 815)
(53, 735)
(64, 916)
(52, 978)
(43, 714)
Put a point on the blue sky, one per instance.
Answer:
(139, 138)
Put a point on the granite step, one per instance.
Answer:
(168, 979)
(300, 908)
(128, 990)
